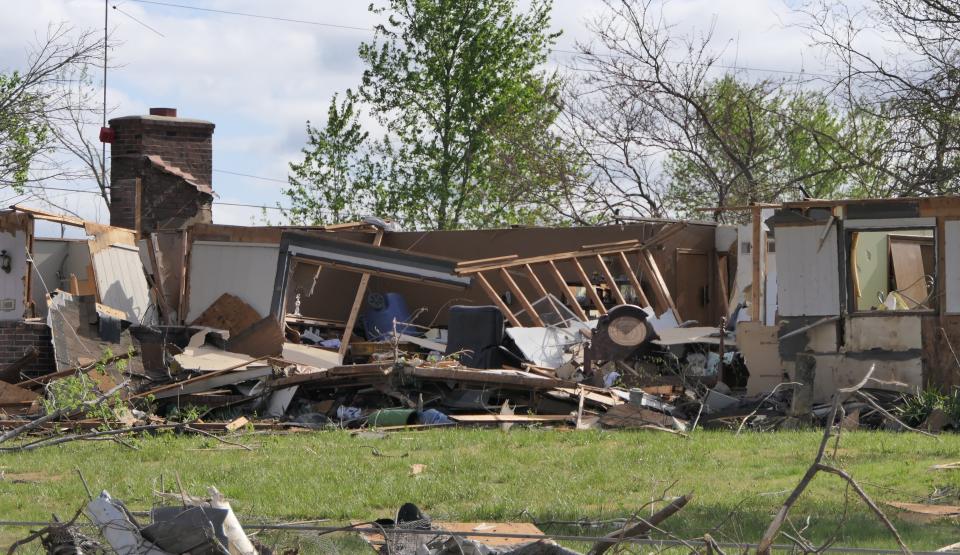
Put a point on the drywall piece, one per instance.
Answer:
(245, 270)
(770, 293)
(759, 346)
(310, 356)
(665, 321)
(808, 276)
(951, 274)
(121, 283)
(546, 347)
(890, 332)
(725, 237)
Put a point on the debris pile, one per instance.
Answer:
(212, 328)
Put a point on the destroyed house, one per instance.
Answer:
(860, 283)
(653, 321)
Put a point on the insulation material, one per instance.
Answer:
(121, 283)
(808, 272)
(246, 270)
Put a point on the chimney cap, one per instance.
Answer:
(168, 112)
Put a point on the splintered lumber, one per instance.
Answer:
(11, 374)
(357, 303)
(338, 376)
(501, 378)
(644, 526)
(510, 418)
(201, 379)
(632, 416)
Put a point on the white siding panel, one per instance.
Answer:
(952, 270)
(808, 280)
(244, 270)
(121, 283)
(12, 286)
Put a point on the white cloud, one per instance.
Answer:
(260, 80)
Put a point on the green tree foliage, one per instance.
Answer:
(757, 142)
(467, 115)
(334, 182)
(23, 129)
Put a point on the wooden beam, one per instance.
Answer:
(660, 289)
(756, 252)
(722, 273)
(607, 248)
(541, 290)
(634, 281)
(48, 216)
(611, 281)
(137, 208)
(357, 303)
(588, 285)
(562, 283)
(941, 282)
(495, 297)
(518, 293)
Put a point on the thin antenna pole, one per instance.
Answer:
(103, 154)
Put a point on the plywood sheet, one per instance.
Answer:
(907, 260)
(230, 313)
(246, 270)
(808, 276)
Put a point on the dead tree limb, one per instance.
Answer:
(640, 528)
(34, 424)
(766, 542)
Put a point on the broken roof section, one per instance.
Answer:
(169, 168)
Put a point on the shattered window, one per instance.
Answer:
(893, 270)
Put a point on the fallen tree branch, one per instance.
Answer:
(34, 424)
(640, 528)
(766, 542)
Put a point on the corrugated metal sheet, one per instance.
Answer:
(808, 279)
(121, 283)
(246, 270)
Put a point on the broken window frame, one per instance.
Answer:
(894, 228)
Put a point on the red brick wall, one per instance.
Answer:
(17, 337)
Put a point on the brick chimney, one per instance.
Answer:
(173, 158)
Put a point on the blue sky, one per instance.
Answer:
(260, 80)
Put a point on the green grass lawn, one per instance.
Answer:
(489, 475)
